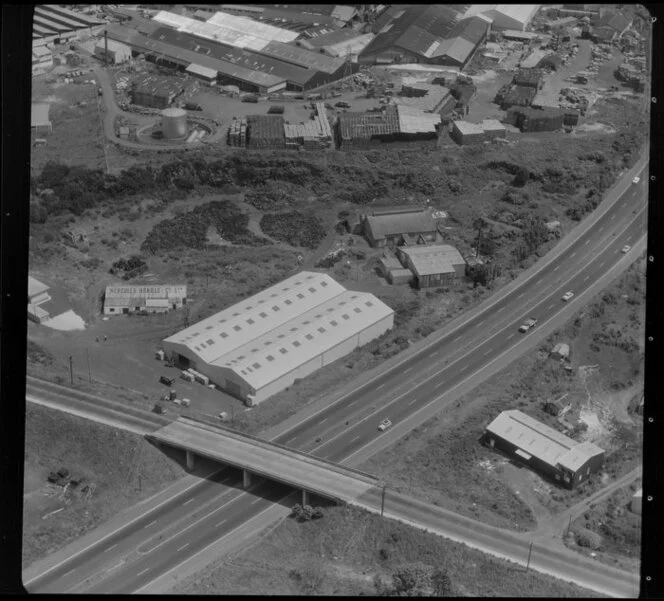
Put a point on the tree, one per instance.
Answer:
(442, 583)
(521, 178)
(412, 580)
(296, 511)
(307, 512)
(318, 512)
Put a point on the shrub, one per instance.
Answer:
(294, 228)
(588, 538)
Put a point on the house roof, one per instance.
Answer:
(390, 225)
(431, 260)
(541, 441)
(412, 120)
(35, 287)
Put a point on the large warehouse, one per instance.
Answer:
(258, 347)
(506, 16)
(546, 450)
(55, 23)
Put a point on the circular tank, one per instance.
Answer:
(174, 123)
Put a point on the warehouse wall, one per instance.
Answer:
(341, 350)
(376, 330)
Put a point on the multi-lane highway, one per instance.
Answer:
(397, 394)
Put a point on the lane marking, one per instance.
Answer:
(220, 523)
(379, 387)
(556, 268)
(587, 242)
(573, 254)
(67, 573)
(150, 524)
(489, 351)
(323, 420)
(439, 385)
(432, 354)
(600, 229)
(551, 306)
(479, 323)
(182, 547)
(189, 501)
(350, 404)
(539, 281)
(464, 368)
(354, 439)
(612, 216)
(407, 370)
(291, 439)
(498, 311)
(143, 572)
(413, 401)
(457, 338)
(111, 547)
(586, 278)
(521, 295)
(256, 500)
(510, 336)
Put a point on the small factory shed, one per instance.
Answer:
(546, 450)
(393, 271)
(439, 265)
(119, 300)
(37, 295)
(258, 347)
(117, 51)
(39, 117)
(390, 225)
(465, 133)
(637, 502)
(155, 91)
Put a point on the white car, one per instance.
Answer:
(626, 248)
(384, 425)
(568, 295)
(636, 180)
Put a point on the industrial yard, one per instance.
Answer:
(210, 181)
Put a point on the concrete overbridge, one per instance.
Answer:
(255, 456)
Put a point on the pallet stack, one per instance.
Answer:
(237, 133)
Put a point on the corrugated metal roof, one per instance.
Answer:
(200, 70)
(308, 335)
(253, 28)
(413, 121)
(390, 225)
(256, 316)
(431, 260)
(540, 440)
(302, 57)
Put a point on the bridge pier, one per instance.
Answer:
(190, 460)
(246, 478)
(305, 497)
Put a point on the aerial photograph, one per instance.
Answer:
(337, 300)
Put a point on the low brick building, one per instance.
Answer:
(432, 266)
(388, 226)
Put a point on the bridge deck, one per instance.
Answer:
(266, 459)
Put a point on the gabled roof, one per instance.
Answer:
(542, 441)
(35, 287)
(431, 260)
(390, 225)
(616, 21)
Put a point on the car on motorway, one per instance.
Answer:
(531, 322)
(626, 248)
(384, 425)
(636, 180)
(568, 295)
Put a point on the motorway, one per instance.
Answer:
(438, 369)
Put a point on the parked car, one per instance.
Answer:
(568, 295)
(636, 180)
(342, 104)
(626, 248)
(166, 380)
(384, 425)
(531, 322)
(192, 106)
(250, 99)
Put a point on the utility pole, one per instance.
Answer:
(529, 554)
(569, 525)
(71, 369)
(87, 351)
(382, 501)
(105, 47)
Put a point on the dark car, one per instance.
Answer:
(342, 104)
(250, 99)
(192, 106)
(166, 380)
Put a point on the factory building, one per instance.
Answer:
(37, 295)
(506, 16)
(53, 23)
(39, 117)
(117, 53)
(426, 97)
(339, 43)
(260, 346)
(121, 300)
(435, 34)
(265, 131)
(546, 450)
(529, 119)
(155, 91)
(392, 226)
(42, 60)
(433, 266)
(466, 133)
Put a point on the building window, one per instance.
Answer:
(263, 314)
(250, 321)
(333, 323)
(275, 308)
(323, 284)
(288, 302)
(237, 328)
(270, 358)
(296, 343)
(223, 335)
(256, 365)
(357, 310)
(210, 341)
(300, 295)
(309, 337)
(283, 351)
(345, 316)
(312, 290)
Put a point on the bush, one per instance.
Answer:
(294, 228)
(588, 538)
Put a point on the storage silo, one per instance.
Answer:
(174, 123)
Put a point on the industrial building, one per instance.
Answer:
(435, 34)
(433, 266)
(546, 450)
(53, 23)
(263, 344)
(113, 51)
(505, 16)
(394, 272)
(342, 42)
(392, 226)
(529, 119)
(37, 295)
(466, 133)
(155, 91)
(265, 131)
(636, 504)
(39, 117)
(121, 300)
(426, 97)
(42, 59)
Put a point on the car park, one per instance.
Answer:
(636, 180)
(531, 322)
(626, 248)
(568, 295)
(384, 425)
